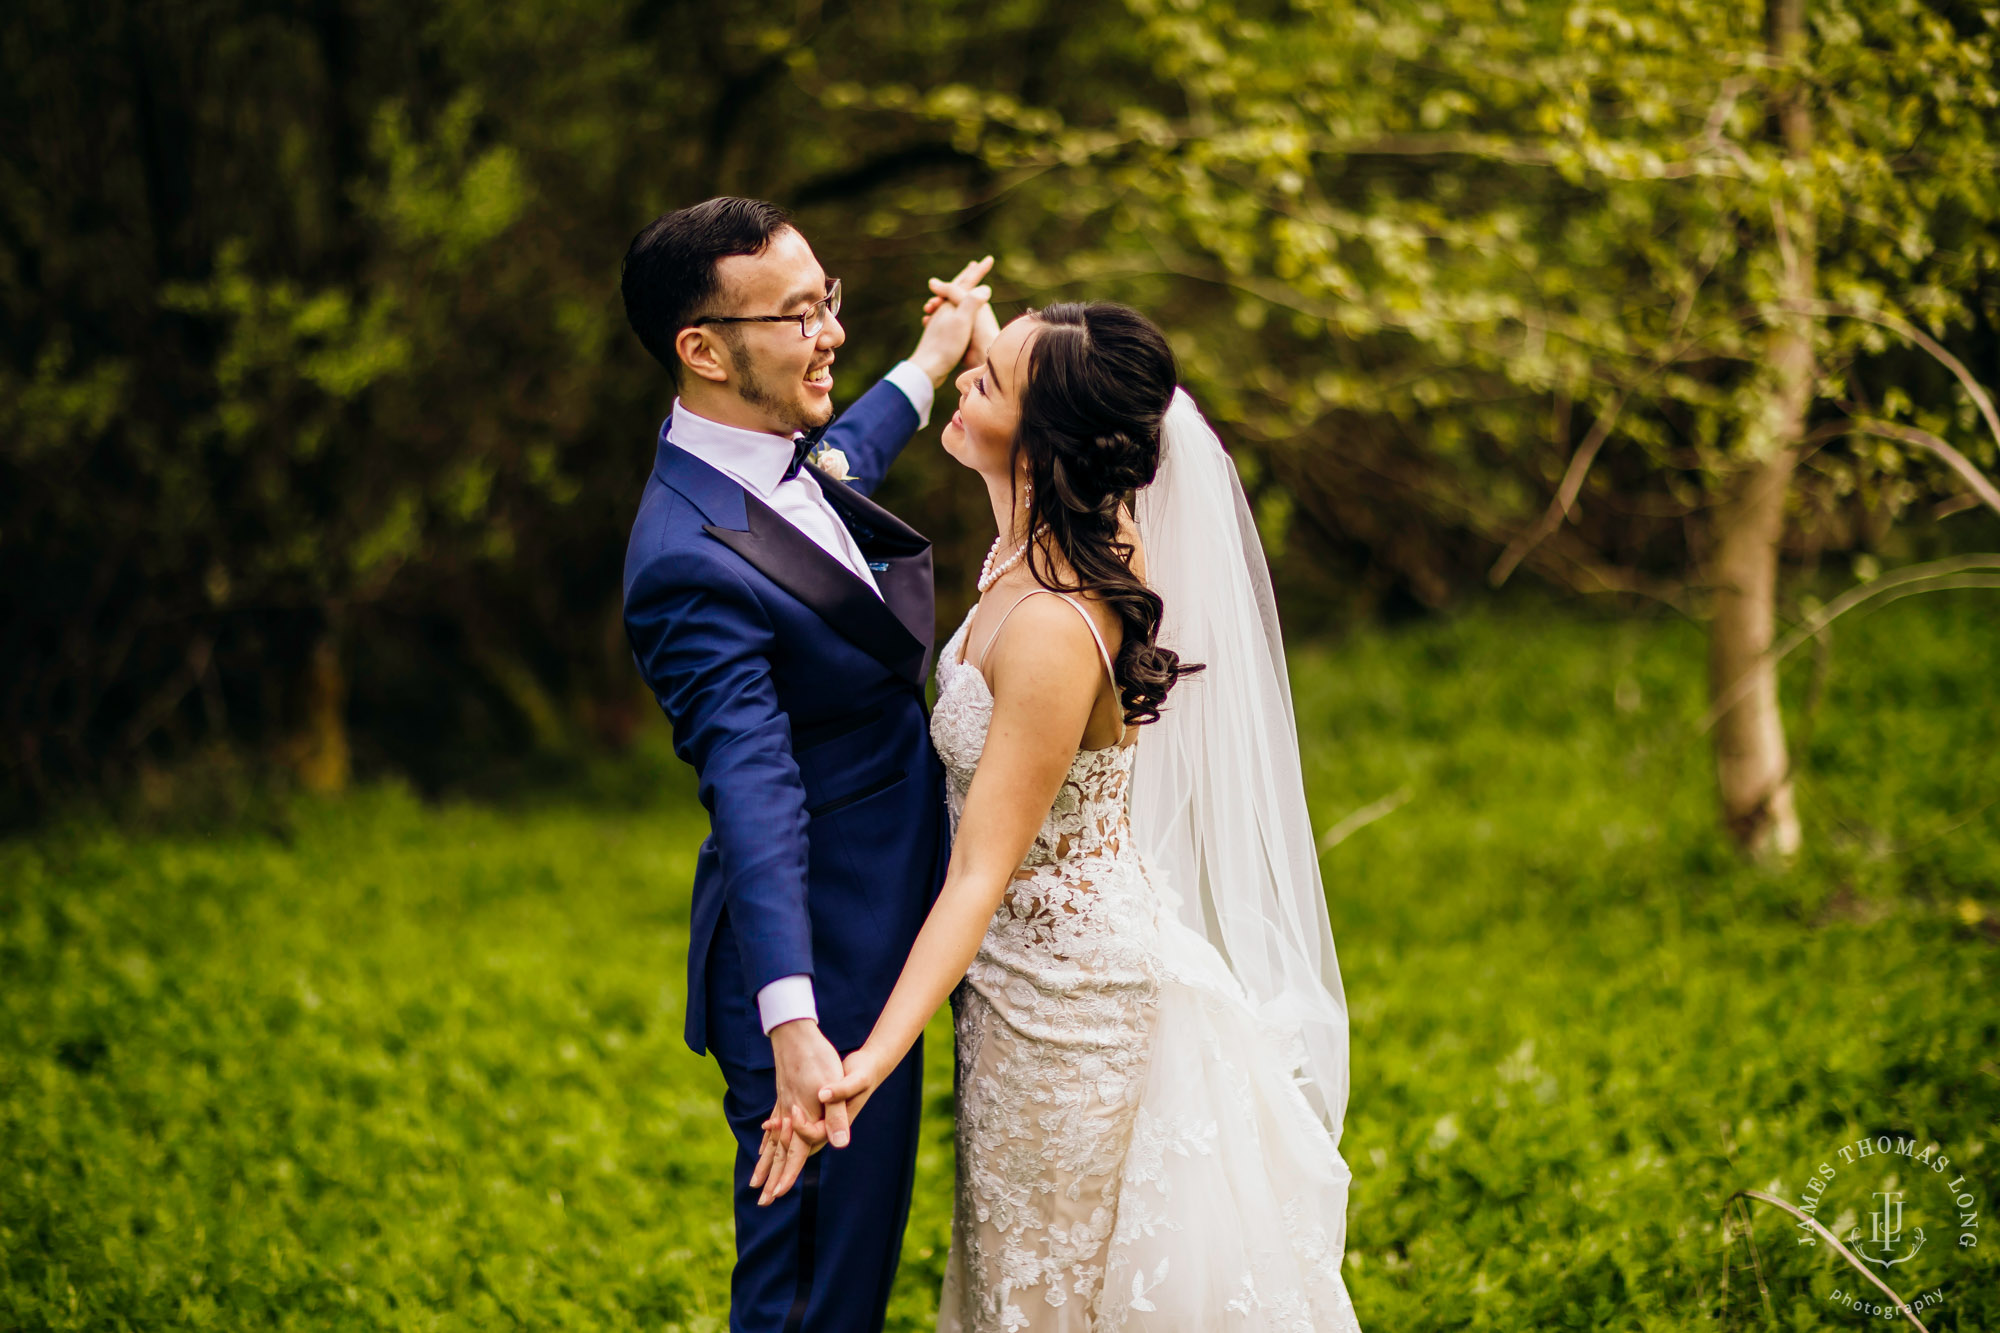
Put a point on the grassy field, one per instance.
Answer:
(383, 1064)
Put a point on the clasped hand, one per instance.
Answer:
(819, 1095)
(959, 323)
(800, 1124)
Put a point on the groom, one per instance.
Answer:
(784, 622)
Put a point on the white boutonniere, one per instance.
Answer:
(830, 461)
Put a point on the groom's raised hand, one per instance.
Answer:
(805, 1062)
(985, 324)
(950, 318)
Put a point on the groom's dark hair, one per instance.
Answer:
(668, 276)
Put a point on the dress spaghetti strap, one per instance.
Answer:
(994, 637)
(1090, 623)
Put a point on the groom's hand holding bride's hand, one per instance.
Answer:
(985, 324)
(953, 322)
(781, 1160)
(805, 1063)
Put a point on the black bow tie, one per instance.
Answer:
(805, 444)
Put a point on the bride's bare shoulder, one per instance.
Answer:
(1046, 643)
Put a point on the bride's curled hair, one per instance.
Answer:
(1100, 379)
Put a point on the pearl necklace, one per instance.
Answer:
(990, 573)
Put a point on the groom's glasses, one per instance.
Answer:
(810, 323)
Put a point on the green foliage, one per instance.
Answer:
(1414, 253)
(1581, 1023)
(405, 1063)
(384, 1064)
(309, 334)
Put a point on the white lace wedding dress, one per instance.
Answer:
(1133, 1151)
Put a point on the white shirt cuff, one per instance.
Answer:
(916, 387)
(785, 999)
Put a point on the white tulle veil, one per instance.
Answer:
(1218, 799)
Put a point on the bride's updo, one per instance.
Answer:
(1100, 378)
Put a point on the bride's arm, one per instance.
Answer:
(1046, 677)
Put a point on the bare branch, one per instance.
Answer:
(1362, 818)
(1923, 439)
(871, 173)
(1562, 559)
(1962, 571)
(1558, 510)
(1841, 1250)
(1581, 573)
(1829, 309)
(1438, 145)
(1725, 102)
(174, 689)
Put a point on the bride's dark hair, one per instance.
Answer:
(1100, 378)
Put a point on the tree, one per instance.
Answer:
(1561, 279)
(320, 427)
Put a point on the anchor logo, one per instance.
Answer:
(1885, 1226)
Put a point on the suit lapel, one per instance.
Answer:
(895, 628)
(868, 521)
(796, 563)
(898, 555)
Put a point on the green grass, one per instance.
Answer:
(378, 1063)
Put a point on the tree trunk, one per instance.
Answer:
(1752, 769)
(319, 751)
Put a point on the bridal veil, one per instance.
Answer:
(1218, 797)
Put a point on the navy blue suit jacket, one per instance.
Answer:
(797, 695)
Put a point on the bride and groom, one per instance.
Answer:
(1096, 843)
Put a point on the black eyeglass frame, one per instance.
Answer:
(827, 307)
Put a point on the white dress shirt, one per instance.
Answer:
(757, 461)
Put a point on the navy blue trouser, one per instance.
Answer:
(822, 1259)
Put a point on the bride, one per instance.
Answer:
(1152, 1043)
